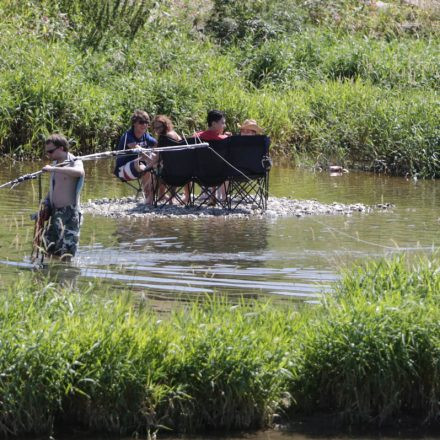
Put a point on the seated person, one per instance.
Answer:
(133, 167)
(163, 129)
(250, 128)
(162, 126)
(216, 127)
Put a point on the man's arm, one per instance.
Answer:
(77, 170)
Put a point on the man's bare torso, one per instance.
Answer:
(64, 190)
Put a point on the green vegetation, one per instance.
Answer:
(349, 83)
(98, 362)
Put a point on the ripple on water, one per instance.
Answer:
(286, 257)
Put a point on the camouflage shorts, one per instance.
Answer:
(62, 232)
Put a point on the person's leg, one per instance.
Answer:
(72, 219)
(212, 201)
(221, 191)
(62, 233)
(186, 193)
(161, 190)
(51, 234)
(148, 183)
(143, 166)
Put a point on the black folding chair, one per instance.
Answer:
(176, 170)
(211, 174)
(248, 172)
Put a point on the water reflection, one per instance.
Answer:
(193, 235)
(287, 257)
(310, 433)
(187, 255)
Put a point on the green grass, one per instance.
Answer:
(88, 359)
(100, 364)
(347, 83)
(374, 359)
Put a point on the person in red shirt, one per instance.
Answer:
(215, 132)
(216, 127)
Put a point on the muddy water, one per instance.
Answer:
(275, 435)
(301, 434)
(283, 257)
(180, 257)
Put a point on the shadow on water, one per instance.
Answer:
(287, 257)
(308, 430)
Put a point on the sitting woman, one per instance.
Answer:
(164, 130)
(250, 128)
(162, 126)
(132, 167)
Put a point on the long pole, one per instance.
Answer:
(38, 226)
(106, 155)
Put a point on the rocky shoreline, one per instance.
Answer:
(276, 207)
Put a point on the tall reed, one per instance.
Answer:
(373, 359)
(335, 83)
(94, 360)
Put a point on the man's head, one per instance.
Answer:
(140, 116)
(56, 143)
(216, 121)
(140, 120)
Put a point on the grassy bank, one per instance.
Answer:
(368, 355)
(350, 83)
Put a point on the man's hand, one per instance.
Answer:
(148, 157)
(47, 168)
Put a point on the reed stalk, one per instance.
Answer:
(347, 83)
(96, 360)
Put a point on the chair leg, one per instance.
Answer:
(254, 192)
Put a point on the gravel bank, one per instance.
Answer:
(276, 207)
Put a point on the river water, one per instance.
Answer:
(176, 258)
(179, 257)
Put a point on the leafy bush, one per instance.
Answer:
(236, 21)
(324, 82)
(374, 359)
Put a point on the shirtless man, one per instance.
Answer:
(62, 233)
